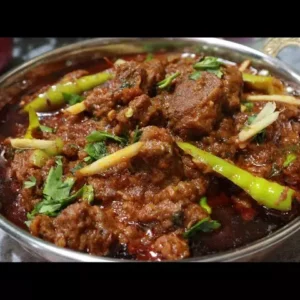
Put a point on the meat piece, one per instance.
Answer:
(233, 87)
(80, 226)
(185, 191)
(171, 247)
(222, 140)
(195, 105)
(177, 64)
(142, 111)
(21, 166)
(193, 214)
(159, 212)
(155, 73)
(156, 133)
(123, 88)
(123, 186)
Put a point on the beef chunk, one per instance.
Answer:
(194, 106)
(233, 86)
(80, 226)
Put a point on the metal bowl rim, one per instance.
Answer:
(27, 240)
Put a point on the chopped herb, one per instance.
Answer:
(77, 167)
(177, 218)
(46, 128)
(205, 225)
(30, 183)
(276, 170)
(149, 57)
(289, 159)
(72, 98)
(99, 136)
(196, 75)
(28, 223)
(96, 150)
(137, 134)
(204, 205)
(167, 81)
(249, 106)
(88, 193)
(87, 159)
(251, 119)
(209, 62)
(218, 73)
(56, 193)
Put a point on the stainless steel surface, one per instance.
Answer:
(17, 80)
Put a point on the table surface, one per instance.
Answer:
(26, 48)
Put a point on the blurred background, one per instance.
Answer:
(15, 51)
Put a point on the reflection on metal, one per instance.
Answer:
(274, 45)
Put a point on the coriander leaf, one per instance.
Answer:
(77, 167)
(88, 193)
(167, 81)
(251, 119)
(205, 225)
(96, 150)
(46, 128)
(54, 187)
(196, 75)
(56, 193)
(87, 159)
(289, 159)
(149, 57)
(209, 62)
(204, 205)
(99, 136)
(218, 73)
(51, 207)
(249, 106)
(137, 134)
(28, 223)
(72, 98)
(30, 183)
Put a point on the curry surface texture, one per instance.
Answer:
(158, 203)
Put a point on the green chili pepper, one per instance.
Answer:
(264, 83)
(204, 205)
(33, 123)
(53, 98)
(267, 193)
